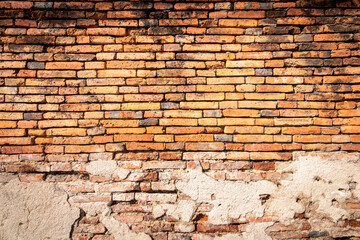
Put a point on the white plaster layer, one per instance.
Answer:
(107, 168)
(230, 199)
(35, 211)
(253, 231)
(121, 231)
(102, 168)
(184, 210)
(321, 178)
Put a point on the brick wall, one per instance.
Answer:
(184, 119)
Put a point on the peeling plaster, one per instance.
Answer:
(121, 231)
(35, 211)
(184, 210)
(42, 209)
(92, 209)
(107, 168)
(253, 231)
(321, 178)
(230, 199)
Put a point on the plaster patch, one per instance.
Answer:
(35, 211)
(324, 178)
(321, 178)
(106, 168)
(121, 231)
(93, 208)
(230, 199)
(184, 210)
(253, 231)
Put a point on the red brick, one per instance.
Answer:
(186, 6)
(119, 187)
(312, 138)
(36, 177)
(203, 146)
(237, 23)
(263, 147)
(16, 4)
(113, 31)
(253, 138)
(264, 166)
(84, 148)
(126, 14)
(281, 156)
(21, 149)
(144, 146)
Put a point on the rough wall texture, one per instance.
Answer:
(179, 120)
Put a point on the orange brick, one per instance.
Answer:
(56, 74)
(32, 177)
(15, 141)
(293, 121)
(199, 105)
(241, 113)
(263, 147)
(202, 47)
(111, 31)
(204, 146)
(116, 73)
(194, 138)
(21, 149)
(298, 113)
(164, 138)
(296, 21)
(64, 65)
(187, 6)
(178, 22)
(144, 146)
(253, 138)
(140, 106)
(235, 72)
(12, 132)
(134, 138)
(264, 96)
(312, 138)
(83, 49)
(280, 156)
(245, 64)
(246, 14)
(301, 130)
(66, 132)
(125, 64)
(238, 23)
(274, 88)
(126, 14)
(84, 148)
(235, 121)
(337, 37)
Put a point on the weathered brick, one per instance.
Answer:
(237, 23)
(22, 149)
(114, 31)
(253, 138)
(245, 64)
(126, 14)
(144, 146)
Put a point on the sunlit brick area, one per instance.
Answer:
(179, 120)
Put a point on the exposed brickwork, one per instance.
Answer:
(157, 86)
